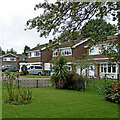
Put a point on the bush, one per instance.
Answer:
(102, 86)
(113, 93)
(75, 81)
(24, 69)
(109, 90)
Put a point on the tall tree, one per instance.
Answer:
(1, 51)
(25, 49)
(97, 27)
(12, 51)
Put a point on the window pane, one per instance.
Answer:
(105, 69)
(114, 69)
(109, 68)
(101, 69)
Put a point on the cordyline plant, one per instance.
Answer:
(17, 94)
(60, 72)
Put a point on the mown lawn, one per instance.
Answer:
(51, 103)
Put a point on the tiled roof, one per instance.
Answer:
(68, 43)
(38, 47)
(21, 55)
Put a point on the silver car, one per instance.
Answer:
(35, 69)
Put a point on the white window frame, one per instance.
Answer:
(55, 53)
(66, 50)
(9, 59)
(107, 65)
(37, 53)
(95, 50)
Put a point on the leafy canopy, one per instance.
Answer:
(97, 27)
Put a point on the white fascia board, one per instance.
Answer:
(64, 48)
(44, 48)
(86, 46)
(69, 63)
(100, 58)
(74, 46)
(32, 51)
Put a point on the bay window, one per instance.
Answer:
(108, 68)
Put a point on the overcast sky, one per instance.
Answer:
(13, 17)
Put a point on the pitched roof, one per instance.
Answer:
(21, 55)
(38, 47)
(72, 44)
(9, 54)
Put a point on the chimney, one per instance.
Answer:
(50, 41)
(81, 36)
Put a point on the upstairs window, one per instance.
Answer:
(37, 53)
(29, 54)
(55, 53)
(9, 59)
(66, 52)
(95, 50)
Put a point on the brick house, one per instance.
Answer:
(40, 55)
(102, 66)
(22, 58)
(72, 49)
(9, 59)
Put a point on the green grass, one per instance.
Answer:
(51, 103)
(35, 76)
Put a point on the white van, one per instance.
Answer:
(35, 69)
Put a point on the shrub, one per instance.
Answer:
(109, 90)
(102, 86)
(75, 81)
(113, 93)
(24, 69)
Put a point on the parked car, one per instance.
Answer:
(35, 69)
(12, 68)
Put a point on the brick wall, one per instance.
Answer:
(46, 55)
(79, 50)
(33, 59)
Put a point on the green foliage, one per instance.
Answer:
(75, 81)
(103, 86)
(97, 27)
(24, 69)
(67, 35)
(55, 16)
(1, 51)
(113, 93)
(25, 49)
(59, 78)
(17, 95)
(108, 89)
